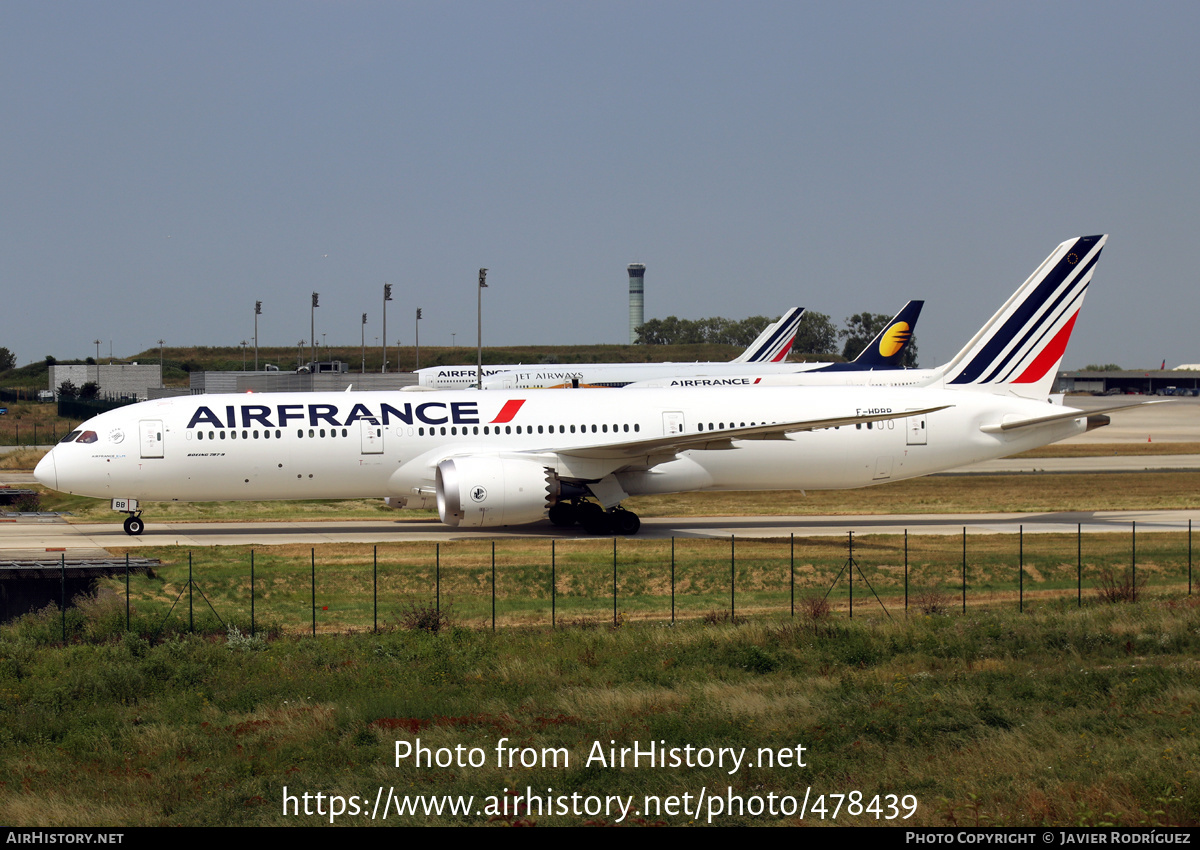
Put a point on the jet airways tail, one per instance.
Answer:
(1018, 351)
(775, 343)
(887, 349)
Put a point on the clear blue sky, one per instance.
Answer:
(167, 164)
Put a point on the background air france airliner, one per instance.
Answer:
(512, 457)
(771, 346)
(886, 351)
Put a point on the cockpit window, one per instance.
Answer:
(70, 437)
(88, 437)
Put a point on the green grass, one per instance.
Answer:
(1055, 717)
(359, 585)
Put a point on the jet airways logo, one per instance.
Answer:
(896, 338)
(314, 415)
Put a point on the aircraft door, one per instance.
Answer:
(151, 431)
(372, 438)
(883, 467)
(917, 435)
(672, 422)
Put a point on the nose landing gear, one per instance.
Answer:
(134, 524)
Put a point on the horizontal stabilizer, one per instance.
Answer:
(1060, 417)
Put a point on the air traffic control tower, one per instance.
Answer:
(637, 300)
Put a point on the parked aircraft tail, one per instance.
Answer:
(775, 343)
(887, 350)
(1018, 351)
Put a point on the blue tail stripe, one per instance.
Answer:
(1047, 330)
(773, 341)
(1025, 312)
(1052, 314)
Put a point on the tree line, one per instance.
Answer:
(816, 334)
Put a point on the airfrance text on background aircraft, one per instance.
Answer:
(771, 346)
(512, 458)
(767, 356)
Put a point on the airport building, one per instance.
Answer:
(1131, 382)
(116, 380)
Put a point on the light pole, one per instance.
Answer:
(364, 344)
(244, 344)
(312, 321)
(299, 355)
(479, 316)
(257, 313)
(418, 335)
(160, 363)
(97, 350)
(387, 296)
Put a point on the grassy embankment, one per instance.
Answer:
(767, 575)
(1055, 717)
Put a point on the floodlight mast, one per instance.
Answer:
(387, 296)
(479, 341)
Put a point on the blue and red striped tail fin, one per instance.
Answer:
(775, 343)
(1018, 351)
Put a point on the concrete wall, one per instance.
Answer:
(116, 380)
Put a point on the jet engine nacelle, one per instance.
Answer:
(477, 492)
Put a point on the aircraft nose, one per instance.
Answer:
(45, 472)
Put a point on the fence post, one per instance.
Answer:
(251, 593)
(1133, 557)
(614, 582)
(437, 577)
(906, 572)
(126, 591)
(850, 562)
(1021, 567)
(62, 572)
(375, 589)
(493, 585)
(672, 580)
(732, 580)
(553, 583)
(191, 621)
(964, 571)
(313, 585)
(1079, 564)
(792, 572)
(1189, 557)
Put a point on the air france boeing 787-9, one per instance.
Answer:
(516, 457)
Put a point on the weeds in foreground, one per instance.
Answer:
(931, 601)
(1119, 587)
(421, 616)
(720, 617)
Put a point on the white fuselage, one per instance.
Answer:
(348, 445)
(610, 375)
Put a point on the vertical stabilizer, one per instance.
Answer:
(1018, 351)
(887, 350)
(775, 343)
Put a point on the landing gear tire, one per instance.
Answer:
(564, 514)
(593, 518)
(134, 525)
(625, 523)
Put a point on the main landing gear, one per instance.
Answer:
(594, 519)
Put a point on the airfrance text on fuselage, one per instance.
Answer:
(314, 415)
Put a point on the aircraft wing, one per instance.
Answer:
(675, 443)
